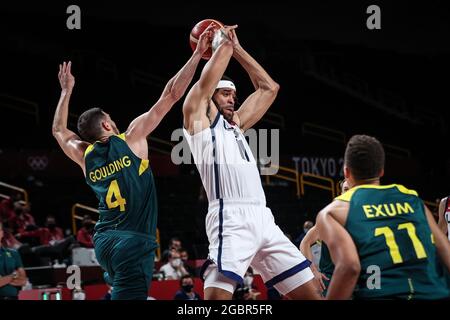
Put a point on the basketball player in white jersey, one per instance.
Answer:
(444, 216)
(240, 228)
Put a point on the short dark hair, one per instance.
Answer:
(89, 124)
(364, 156)
(173, 239)
(184, 277)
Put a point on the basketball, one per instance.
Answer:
(197, 30)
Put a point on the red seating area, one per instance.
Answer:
(160, 290)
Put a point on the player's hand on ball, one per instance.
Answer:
(66, 79)
(222, 35)
(205, 39)
(228, 31)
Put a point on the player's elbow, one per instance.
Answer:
(56, 131)
(349, 269)
(274, 87)
(271, 88)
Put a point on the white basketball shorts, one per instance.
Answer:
(243, 233)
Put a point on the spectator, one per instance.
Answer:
(186, 291)
(52, 241)
(174, 244)
(7, 213)
(184, 256)
(12, 273)
(246, 291)
(23, 218)
(306, 226)
(9, 241)
(78, 294)
(84, 235)
(173, 270)
(47, 235)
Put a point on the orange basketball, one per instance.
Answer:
(197, 30)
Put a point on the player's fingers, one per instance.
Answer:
(325, 277)
(211, 26)
(322, 284)
(319, 285)
(69, 65)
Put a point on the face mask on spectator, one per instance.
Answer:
(248, 280)
(176, 262)
(187, 287)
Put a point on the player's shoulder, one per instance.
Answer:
(337, 209)
(347, 196)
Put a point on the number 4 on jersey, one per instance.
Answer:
(114, 191)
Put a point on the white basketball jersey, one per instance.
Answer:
(225, 162)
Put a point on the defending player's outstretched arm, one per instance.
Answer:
(174, 90)
(69, 141)
(256, 105)
(196, 103)
(343, 254)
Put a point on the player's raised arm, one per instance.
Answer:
(69, 141)
(143, 125)
(197, 100)
(443, 224)
(343, 254)
(256, 105)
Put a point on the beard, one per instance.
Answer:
(227, 112)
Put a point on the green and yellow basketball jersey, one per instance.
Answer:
(391, 232)
(124, 186)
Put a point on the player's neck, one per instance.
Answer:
(373, 181)
(105, 137)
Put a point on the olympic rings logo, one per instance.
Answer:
(38, 163)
